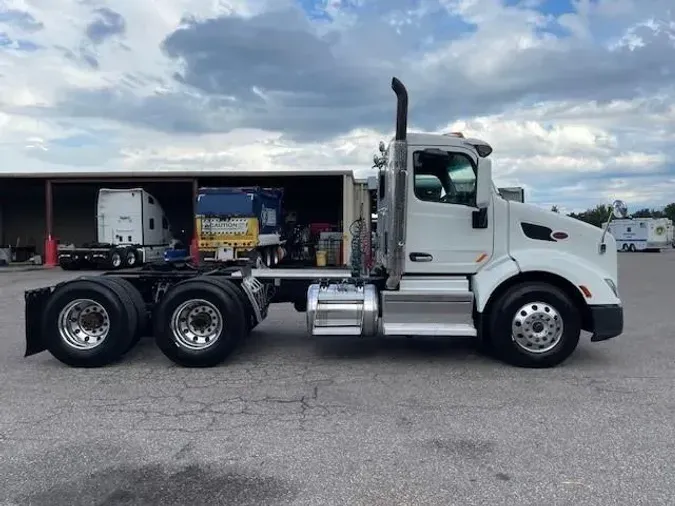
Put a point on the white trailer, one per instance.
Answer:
(641, 234)
(462, 262)
(670, 232)
(132, 230)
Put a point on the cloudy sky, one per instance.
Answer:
(576, 96)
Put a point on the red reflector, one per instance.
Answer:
(559, 235)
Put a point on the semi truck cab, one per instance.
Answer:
(457, 259)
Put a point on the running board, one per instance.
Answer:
(435, 312)
(429, 330)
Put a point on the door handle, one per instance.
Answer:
(420, 257)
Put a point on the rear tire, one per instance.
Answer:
(143, 320)
(130, 258)
(534, 325)
(236, 292)
(199, 323)
(116, 260)
(88, 323)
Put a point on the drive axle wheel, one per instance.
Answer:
(143, 320)
(89, 322)
(199, 322)
(130, 257)
(116, 259)
(534, 325)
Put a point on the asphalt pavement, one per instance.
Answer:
(293, 420)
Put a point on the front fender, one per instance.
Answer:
(486, 280)
(575, 269)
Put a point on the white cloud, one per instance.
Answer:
(577, 106)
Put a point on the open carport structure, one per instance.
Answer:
(38, 211)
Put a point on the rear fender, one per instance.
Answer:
(36, 301)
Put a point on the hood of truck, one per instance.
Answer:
(546, 233)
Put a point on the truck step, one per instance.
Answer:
(429, 329)
(433, 312)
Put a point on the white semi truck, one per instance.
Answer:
(521, 280)
(641, 234)
(132, 230)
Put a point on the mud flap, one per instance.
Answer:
(35, 305)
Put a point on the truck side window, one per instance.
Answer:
(165, 223)
(150, 200)
(449, 180)
(152, 224)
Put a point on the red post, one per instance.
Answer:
(51, 248)
(194, 243)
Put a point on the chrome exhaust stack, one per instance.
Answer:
(397, 179)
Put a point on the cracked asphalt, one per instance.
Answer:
(292, 420)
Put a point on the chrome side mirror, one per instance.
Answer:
(619, 209)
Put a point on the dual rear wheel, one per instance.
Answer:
(94, 321)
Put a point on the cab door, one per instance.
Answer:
(440, 237)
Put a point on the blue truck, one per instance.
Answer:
(238, 223)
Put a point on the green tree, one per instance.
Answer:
(669, 211)
(595, 216)
(647, 213)
(642, 213)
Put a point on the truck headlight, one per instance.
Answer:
(612, 285)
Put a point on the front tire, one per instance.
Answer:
(534, 325)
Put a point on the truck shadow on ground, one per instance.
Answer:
(450, 350)
(266, 343)
(409, 348)
(158, 484)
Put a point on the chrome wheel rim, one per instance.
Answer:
(84, 324)
(537, 327)
(197, 324)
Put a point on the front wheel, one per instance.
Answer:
(534, 325)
